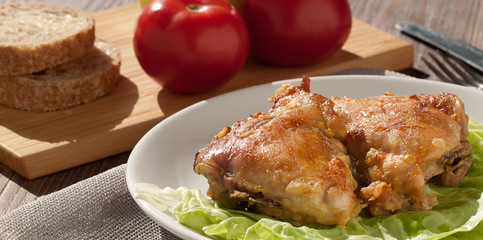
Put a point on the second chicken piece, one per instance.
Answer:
(398, 143)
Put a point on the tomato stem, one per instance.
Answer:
(195, 7)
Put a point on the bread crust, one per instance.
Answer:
(70, 34)
(78, 81)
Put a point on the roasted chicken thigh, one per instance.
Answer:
(314, 159)
(398, 143)
(287, 162)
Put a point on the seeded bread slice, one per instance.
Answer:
(78, 81)
(34, 36)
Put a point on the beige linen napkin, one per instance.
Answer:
(97, 208)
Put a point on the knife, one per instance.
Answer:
(461, 50)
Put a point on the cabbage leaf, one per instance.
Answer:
(458, 215)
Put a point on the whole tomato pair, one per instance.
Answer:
(191, 46)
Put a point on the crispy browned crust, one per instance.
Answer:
(33, 56)
(81, 80)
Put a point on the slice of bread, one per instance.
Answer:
(80, 80)
(34, 36)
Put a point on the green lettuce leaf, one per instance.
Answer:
(458, 215)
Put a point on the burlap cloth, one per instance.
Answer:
(97, 208)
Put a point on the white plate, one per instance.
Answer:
(165, 155)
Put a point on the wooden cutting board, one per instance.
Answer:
(37, 144)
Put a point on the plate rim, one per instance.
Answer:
(186, 233)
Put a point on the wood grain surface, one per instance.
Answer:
(460, 19)
(37, 144)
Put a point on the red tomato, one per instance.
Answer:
(190, 46)
(296, 32)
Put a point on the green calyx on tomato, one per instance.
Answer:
(195, 7)
(190, 46)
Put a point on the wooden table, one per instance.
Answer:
(461, 19)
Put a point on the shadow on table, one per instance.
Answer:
(415, 73)
(56, 181)
(71, 124)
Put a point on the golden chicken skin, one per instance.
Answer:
(287, 162)
(314, 159)
(398, 143)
